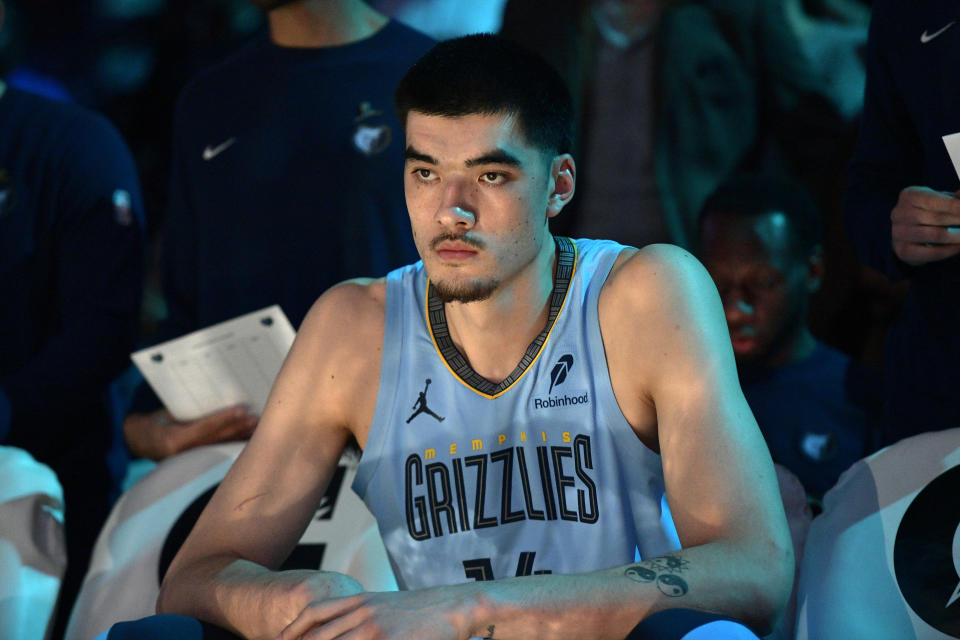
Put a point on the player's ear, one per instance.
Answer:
(563, 179)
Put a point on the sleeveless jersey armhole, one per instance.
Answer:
(393, 336)
(599, 356)
(656, 532)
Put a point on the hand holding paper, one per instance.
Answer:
(213, 382)
(233, 363)
(157, 435)
(925, 225)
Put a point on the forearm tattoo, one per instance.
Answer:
(490, 631)
(664, 572)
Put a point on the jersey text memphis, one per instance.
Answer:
(539, 473)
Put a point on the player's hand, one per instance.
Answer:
(427, 614)
(157, 435)
(925, 225)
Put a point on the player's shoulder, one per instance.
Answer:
(656, 275)
(348, 312)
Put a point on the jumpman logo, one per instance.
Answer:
(420, 406)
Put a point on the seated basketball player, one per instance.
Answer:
(522, 401)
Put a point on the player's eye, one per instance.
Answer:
(423, 174)
(493, 177)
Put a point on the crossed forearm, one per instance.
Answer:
(245, 597)
(608, 604)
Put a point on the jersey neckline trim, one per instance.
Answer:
(458, 365)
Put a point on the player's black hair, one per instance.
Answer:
(487, 75)
(754, 194)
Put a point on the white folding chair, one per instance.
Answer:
(153, 517)
(882, 562)
(33, 551)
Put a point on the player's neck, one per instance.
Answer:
(494, 334)
(323, 23)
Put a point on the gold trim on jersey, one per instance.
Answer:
(435, 315)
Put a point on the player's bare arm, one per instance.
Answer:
(672, 367)
(675, 379)
(326, 391)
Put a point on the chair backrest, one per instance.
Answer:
(33, 551)
(883, 559)
(152, 519)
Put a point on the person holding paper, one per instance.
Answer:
(259, 214)
(901, 206)
(572, 386)
(71, 267)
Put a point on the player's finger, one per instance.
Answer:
(918, 254)
(223, 425)
(319, 613)
(353, 625)
(229, 424)
(933, 207)
(161, 416)
(215, 420)
(919, 233)
(195, 436)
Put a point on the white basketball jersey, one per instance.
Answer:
(540, 473)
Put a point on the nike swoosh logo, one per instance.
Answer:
(209, 153)
(927, 37)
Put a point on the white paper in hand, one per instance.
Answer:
(230, 363)
(952, 142)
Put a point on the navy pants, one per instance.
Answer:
(673, 624)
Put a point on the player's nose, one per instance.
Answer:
(456, 207)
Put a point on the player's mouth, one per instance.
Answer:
(455, 250)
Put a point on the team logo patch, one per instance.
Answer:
(558, 375)
(559, 372)
(371, 140)
(420, 406)
(121, 208)
(818, 446)
(926, 554)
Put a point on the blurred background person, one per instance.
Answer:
(832, 35)
(443, 19)
(901, 208)
(286, 179)
(760, 239)
(71, 272)
(672, 97)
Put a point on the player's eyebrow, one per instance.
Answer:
(412, 154)
(496, 156)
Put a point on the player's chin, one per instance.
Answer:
(464, 289)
